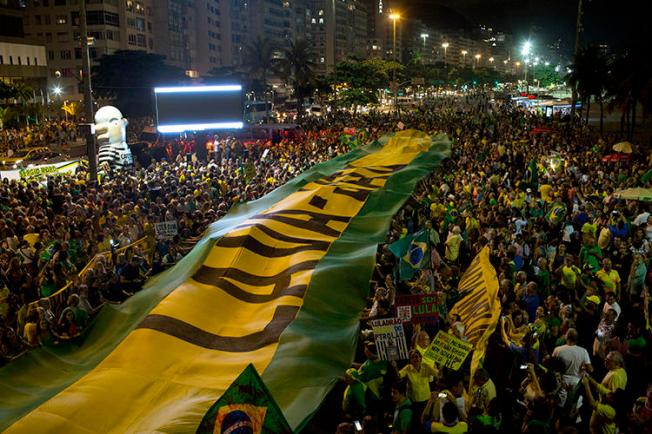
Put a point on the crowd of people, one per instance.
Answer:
(51, 230)
(571, 351)
(54, 134)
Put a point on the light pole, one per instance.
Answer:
(464, 53)
(525, 51)
(491, 61)
(445, 47)
(394, 17)
(424, 36)
(578, 31)
(477, 60)
(88, 95)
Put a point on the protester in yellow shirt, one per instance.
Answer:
(609, 277)
(419, 375)
(546, 190)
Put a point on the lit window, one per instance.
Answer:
(321, 21)
(322, 60)
(321, 12)
(314, 21)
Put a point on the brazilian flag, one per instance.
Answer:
(246, 407)
(556, 213)
(532, 175)
(412, 251)
(452, 214)
(349, 140)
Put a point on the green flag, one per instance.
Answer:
(412, 251)
(246, 407)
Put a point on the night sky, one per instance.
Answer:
(617, 23)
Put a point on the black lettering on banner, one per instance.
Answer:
(316, 223)
(477, 309)
(214, 276)
(468, 304)
(470, 281)
(360, 195)
(177, 328)
(352, 184)
(253, 245)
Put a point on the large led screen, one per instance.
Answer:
(198, 108)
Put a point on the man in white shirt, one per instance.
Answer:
(574, 357)
(611, 303)
(641, 218)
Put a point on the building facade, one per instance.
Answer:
(190, 34)
(336, 30)
(113, 25)
(21, 62)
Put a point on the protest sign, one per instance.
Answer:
(390, 339)
(166, 229)
(424, 308)
(404, 313)
(447, 350)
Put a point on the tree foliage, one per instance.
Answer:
(546, 75)
(358, 80)
(128, 77)
(6, 91)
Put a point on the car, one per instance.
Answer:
(314, 110)
(32, 157)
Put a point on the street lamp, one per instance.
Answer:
(477, 59)
(424, 36)
(445, 47)
(394, 17)
(57, 90)
(464, 53)
(527, 46)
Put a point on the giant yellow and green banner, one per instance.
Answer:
(279, 283)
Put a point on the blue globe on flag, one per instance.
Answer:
(415, 254)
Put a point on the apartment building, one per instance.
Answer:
(112, 24)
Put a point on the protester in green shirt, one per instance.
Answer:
(402, 421)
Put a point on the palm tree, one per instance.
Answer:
(297, 66)
(23, 92)
(260, 61)
(631, 85)
(589, 76)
